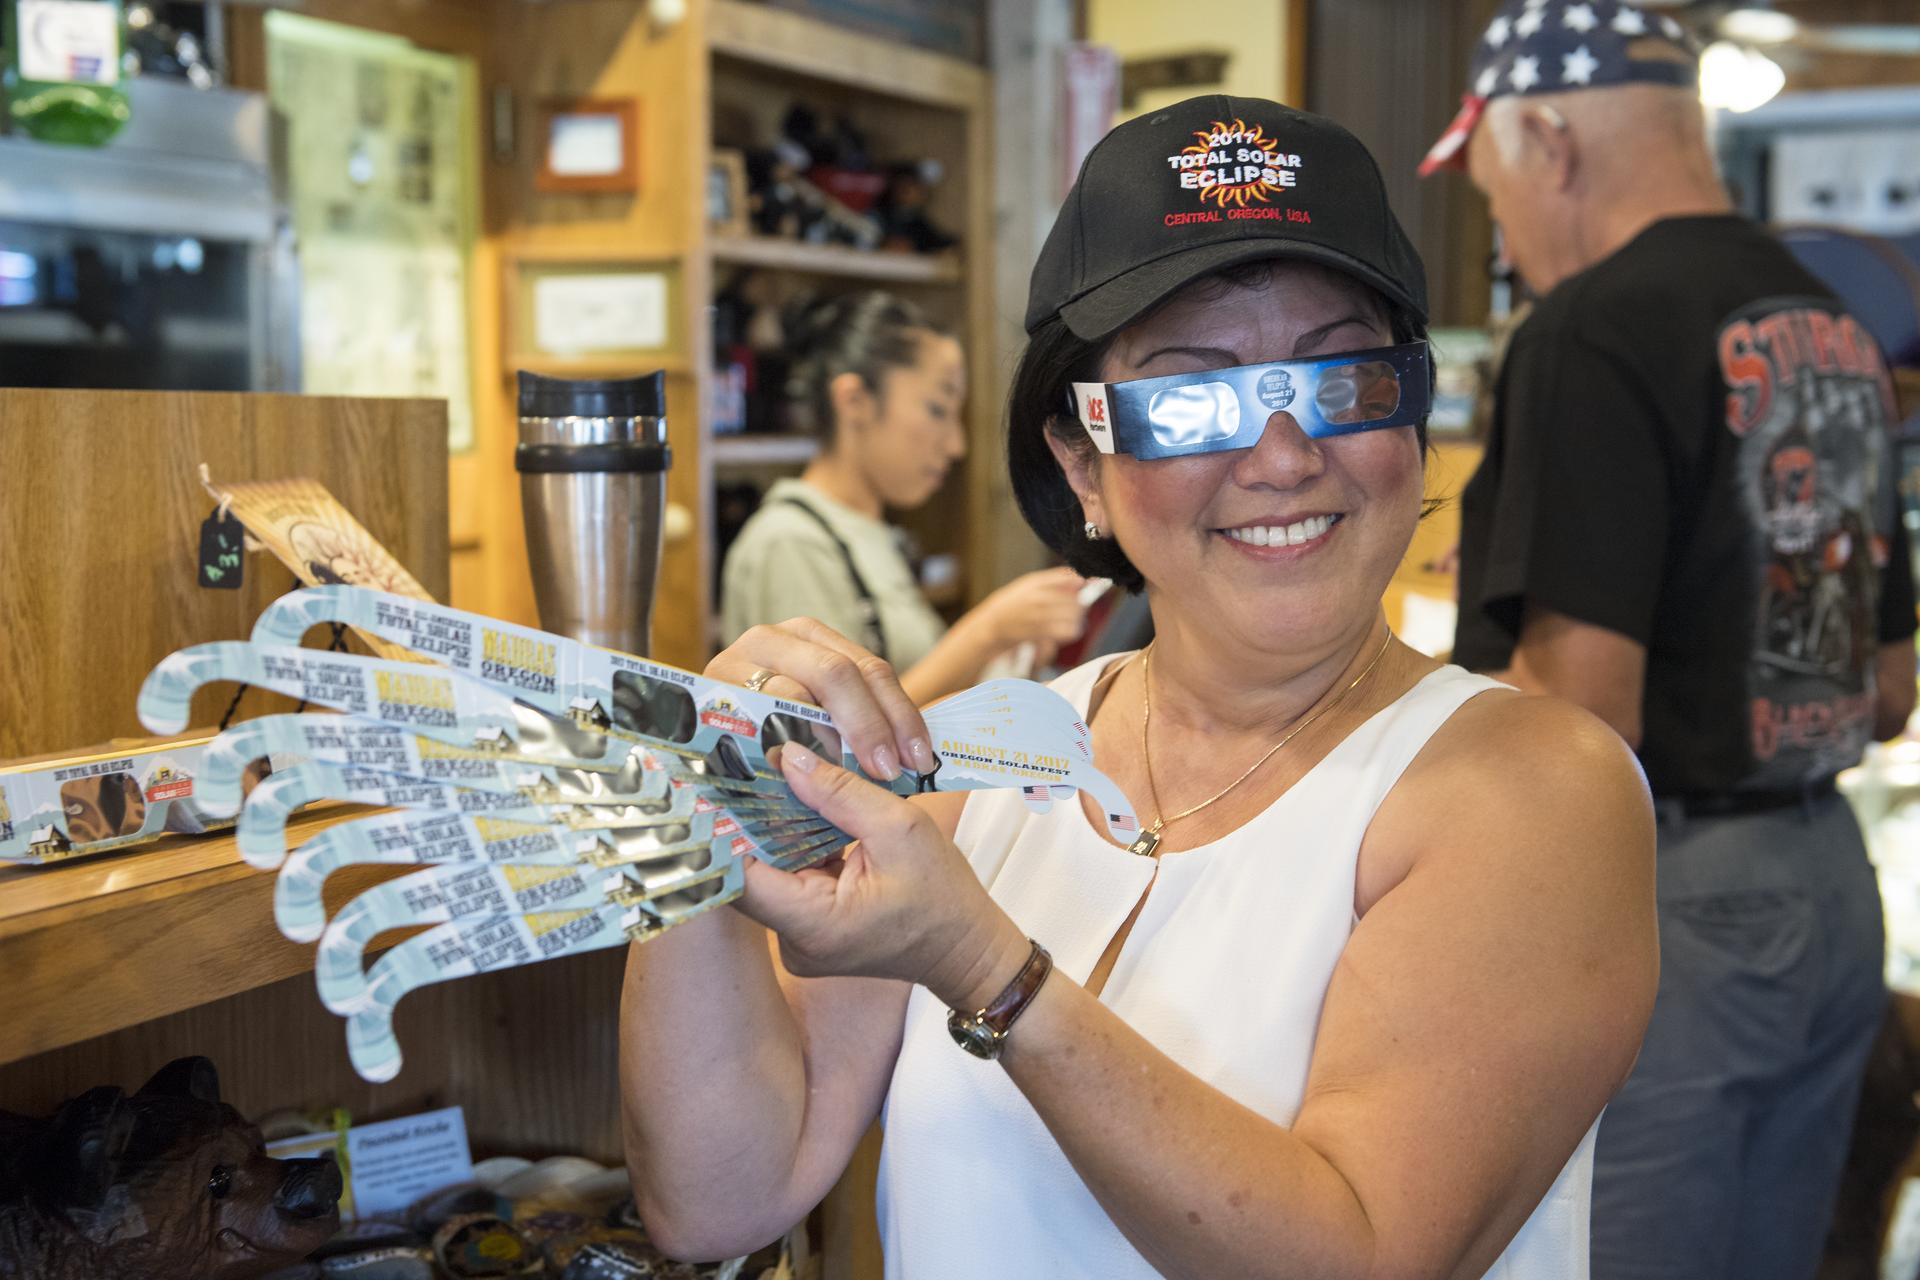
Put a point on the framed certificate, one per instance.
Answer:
(593, 311)
(589, 145)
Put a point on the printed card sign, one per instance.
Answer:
(390, 1164)
(69, 41)
(308, 530)
(396, 1162)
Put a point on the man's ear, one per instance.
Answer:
(1081, 466)
(854, 404)
(1551, 142)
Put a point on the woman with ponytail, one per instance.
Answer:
(883, 387)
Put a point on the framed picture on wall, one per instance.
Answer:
(589, 145)
(577, 312)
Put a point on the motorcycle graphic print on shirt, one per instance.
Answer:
(1809, 402)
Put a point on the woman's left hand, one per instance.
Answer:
(901, 903)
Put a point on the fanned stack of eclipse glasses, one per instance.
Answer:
(558, 797)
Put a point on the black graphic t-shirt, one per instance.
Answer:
(1691, 447)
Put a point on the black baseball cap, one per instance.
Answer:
(1176, 195)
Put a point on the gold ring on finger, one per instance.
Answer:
(759, 679)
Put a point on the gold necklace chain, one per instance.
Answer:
(1149, 840)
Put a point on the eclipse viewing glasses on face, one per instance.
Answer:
(1213, 410)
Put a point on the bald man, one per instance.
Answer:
(1686, 523)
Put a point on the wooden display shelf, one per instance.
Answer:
(771, 37)
(833, 260)
(105, 942)
(763, 450)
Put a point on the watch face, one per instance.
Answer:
(975, 1037)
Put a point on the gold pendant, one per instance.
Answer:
(1148, 842)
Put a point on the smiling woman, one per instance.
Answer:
(1244, 491)
(1352, 1002)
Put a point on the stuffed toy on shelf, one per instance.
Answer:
(168, 1183)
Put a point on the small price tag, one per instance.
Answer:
(222, 552)
(395, 1162)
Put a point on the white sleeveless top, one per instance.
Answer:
(1225, 972)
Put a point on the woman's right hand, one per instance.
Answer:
(811, 662)
(1042, 609)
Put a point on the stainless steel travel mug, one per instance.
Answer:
(593, 461)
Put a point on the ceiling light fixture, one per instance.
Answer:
(1738, 79)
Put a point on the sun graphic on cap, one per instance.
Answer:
(1239, 167)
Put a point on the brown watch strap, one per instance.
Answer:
(1014, 998)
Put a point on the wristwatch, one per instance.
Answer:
(983, 1033)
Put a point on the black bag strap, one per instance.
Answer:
(869, 607)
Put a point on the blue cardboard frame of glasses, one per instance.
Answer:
(1213, 410)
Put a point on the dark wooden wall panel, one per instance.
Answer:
(1393, 72)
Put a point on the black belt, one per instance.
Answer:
(1728, 804)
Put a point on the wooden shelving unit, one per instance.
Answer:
(832, 260)
(776, 39)
(118, 963)
(115, 964)
(763, 451)
(99, 944)
(910, 104)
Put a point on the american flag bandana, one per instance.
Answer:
(1556, 46)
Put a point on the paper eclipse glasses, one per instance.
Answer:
(1213, 410)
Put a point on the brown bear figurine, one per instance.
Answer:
(168, 1184)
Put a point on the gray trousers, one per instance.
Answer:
(1721, 1156)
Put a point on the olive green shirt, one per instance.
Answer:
(784, 565)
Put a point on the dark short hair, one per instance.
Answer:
(869, 333)
(1037, 407)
